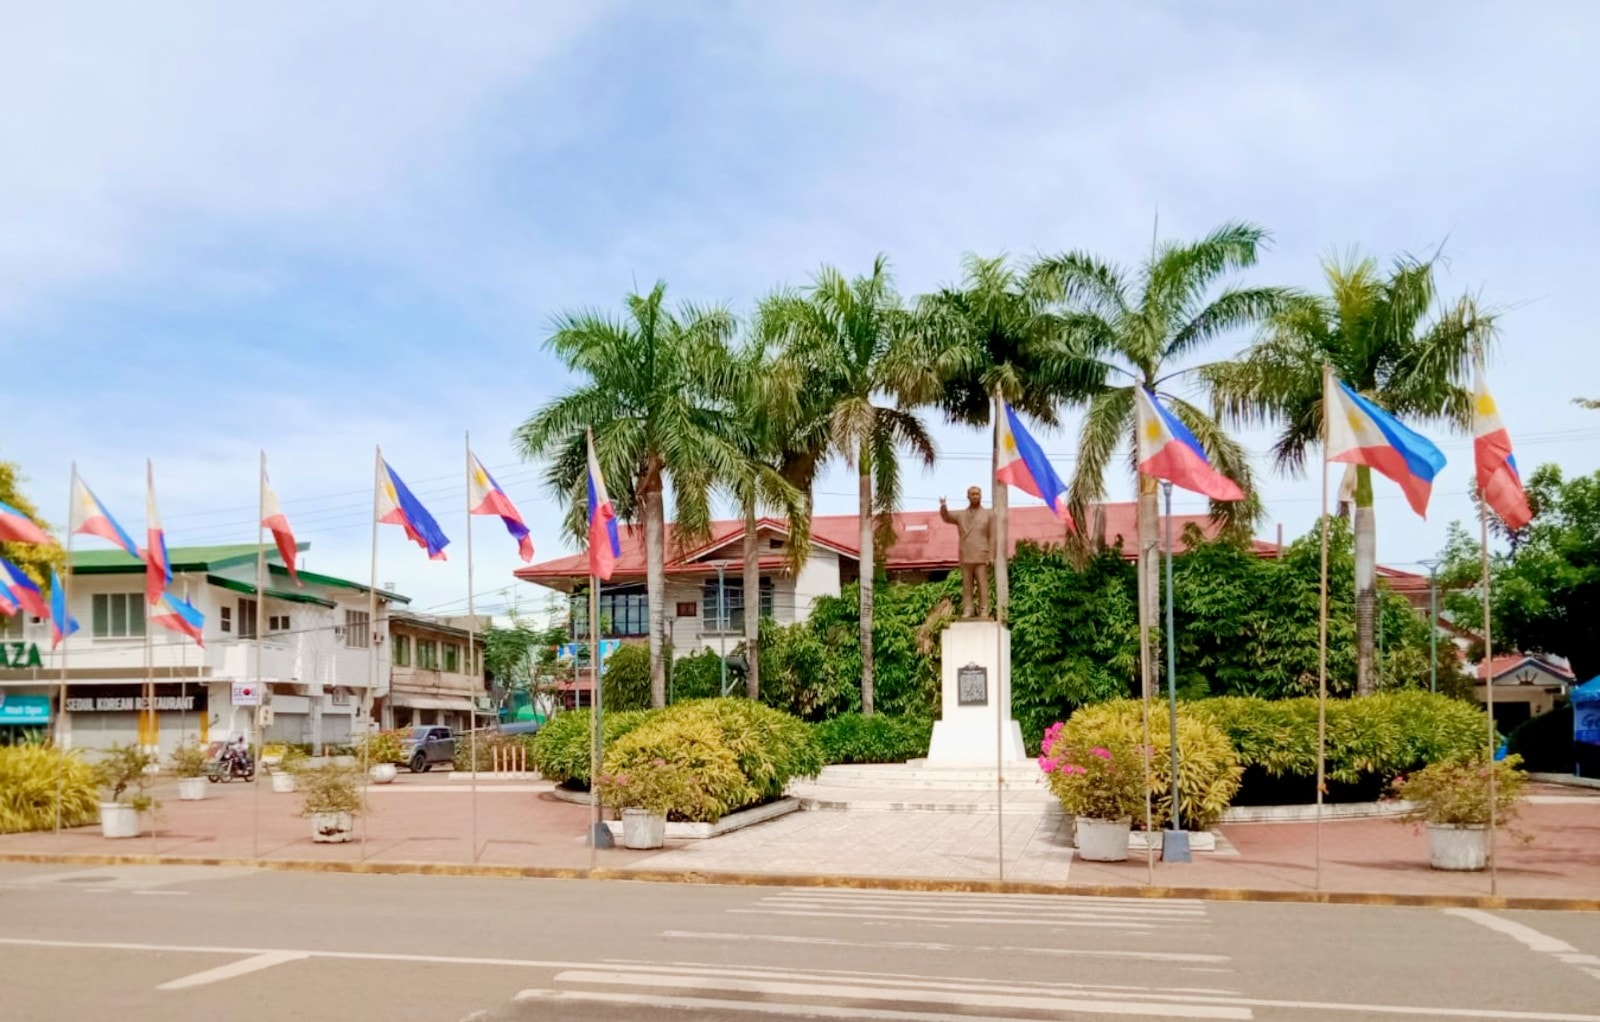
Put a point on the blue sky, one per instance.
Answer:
(313, 228)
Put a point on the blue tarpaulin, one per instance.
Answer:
(1586, 713)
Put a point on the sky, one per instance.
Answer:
(315, 228)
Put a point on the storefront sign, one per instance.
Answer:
(17, 655)
(169, 698)
(246, 693)
(24, 710)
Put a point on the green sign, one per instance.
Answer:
(18, 655)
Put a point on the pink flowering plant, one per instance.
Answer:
(1097, 782)
(1456, 792)
(656, 786)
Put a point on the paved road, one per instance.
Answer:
(174, 943)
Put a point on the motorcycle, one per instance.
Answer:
(230, 764)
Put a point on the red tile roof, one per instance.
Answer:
(1503, 665)
(922, 542)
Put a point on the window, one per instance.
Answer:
(247, 619)
(688, 609)
(428, 654)
(357, 629)
(118, 615)
(732, 610)
(402, 651)
(278, 623)
(624, 611)
(225, 620)
(452, 658)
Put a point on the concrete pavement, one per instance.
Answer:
(170, 943)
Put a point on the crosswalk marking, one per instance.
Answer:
(959, 908)
(919, 945)
(904, 917)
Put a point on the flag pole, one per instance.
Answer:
(472, 642)
(1002, 699)
(63, 732)
(1322, 631)
(1488, 687)
(596, 817)
(372, 642)
(261, 595)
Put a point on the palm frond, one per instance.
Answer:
(1233, 309)
(1106, 427)
(1228, 457)
(1082, 281)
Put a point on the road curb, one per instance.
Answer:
(820, 880)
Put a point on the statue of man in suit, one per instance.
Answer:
(975, 525)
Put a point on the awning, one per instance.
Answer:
(249, 589)
(415, 702)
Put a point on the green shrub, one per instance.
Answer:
(689, 745)
(121, 772)
(189, 760)
(771, 747)
(852, 738)
(1545, 742)
(561, 748)
(1455, 792)
(625, 681)
(1100, 782)
(34, 779)
(329, 789)
(696, 677)
(1208, 766)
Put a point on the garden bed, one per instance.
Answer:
(728, 824)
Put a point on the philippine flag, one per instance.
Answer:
(1499, 482)
(1023, 465)
(276, 522)
(485, 497)
(16, 527)
(90, 517)
(398, 506)
(178, 616)
(7, 608)
(23, 591)
(1167, 450)
(604, 545)
(1361, 433)
(157, 567)
(62, 624)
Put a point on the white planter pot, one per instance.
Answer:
(283, 783)
(643, 829)
(1102, 840)
(118, 820)
(192, 789)
(331, 828)
(1458, 848)
(383, 773)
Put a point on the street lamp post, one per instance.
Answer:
(1432, 564)
(1175, 841)
(722, 624)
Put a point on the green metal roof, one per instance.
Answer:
(312, 578)
(183, 558)
(277, 594)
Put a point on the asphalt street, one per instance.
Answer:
(171, 943)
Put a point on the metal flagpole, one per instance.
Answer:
(149, 715)
(1488, 666)
(372, 642)
(595, 816)
(472, 641)
(63, 733)
(998, 535)
(1175, 842)
(1322, 631)
(1144, 707)
(261, 595)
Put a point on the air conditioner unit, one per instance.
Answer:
(338, 631)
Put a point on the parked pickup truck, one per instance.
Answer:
(426, 745)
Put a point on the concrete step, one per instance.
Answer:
(908, 803)
(1024, 775)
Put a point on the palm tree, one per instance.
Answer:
(652, 401)
(840, 336)
(996, 334)
(1586, 402)
(1374, 332)
(1135, 327)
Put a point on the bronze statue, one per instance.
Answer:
(975, 525)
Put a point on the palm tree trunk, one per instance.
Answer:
(1149, 567)
(1366, 538)
(864, 466)
(656, 587)
(752, 602)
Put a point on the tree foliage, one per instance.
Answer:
(35, 560)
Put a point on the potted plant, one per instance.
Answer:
(646, 794)
(189, 763)
(1451, 799)
(331, 800)
(291, 763)
(121, 771)
(1102, 786)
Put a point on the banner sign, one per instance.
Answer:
(246, 693)
(169, 698)
(24, 711)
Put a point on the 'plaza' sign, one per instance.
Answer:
(19, 654)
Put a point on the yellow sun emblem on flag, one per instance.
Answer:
(1152, 430)
(1358, 422)
(1486, 406)
(1009, 442)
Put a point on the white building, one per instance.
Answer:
(321, 660)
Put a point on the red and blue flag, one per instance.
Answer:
(90, 517)
(62, 624)
(604, 544)
(16, 527)
(1361, 433)
(1168, 450)
(22, 590)
(485, 497)
(397, 505)
(177, 615)
(1023, 465)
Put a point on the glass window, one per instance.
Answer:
(452, 658)
(117, 615)
(247, 619)
(428, 654)
(225, 620)
(624, 612)
(357, 629)
(402, 651)
(728, 616)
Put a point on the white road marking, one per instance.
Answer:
(1062, 907)
(751, 1008)
(932, 993)
(1526, 934)
(908, 918)
(1034, 900)
(232, 970)
(168, 894)
(913, 945)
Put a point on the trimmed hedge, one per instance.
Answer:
(31, 777)
(560, 750)
(852, 738)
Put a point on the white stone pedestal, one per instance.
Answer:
(974, 657)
